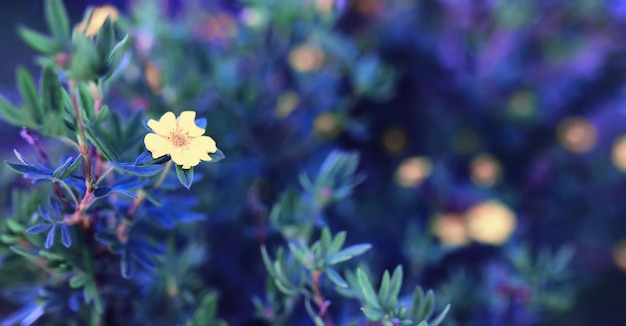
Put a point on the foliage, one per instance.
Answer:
(339, 190)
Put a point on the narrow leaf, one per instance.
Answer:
(348, 253)
(440, 317)
(10, 113)
(66, 237)
(217, 156)
(143, 171)
(79, 280)
(185, 176)
(57, 19)
(38, 228)
(50, 237)
(367, 289)
(38, 41)
(28, 90)
(336, 278)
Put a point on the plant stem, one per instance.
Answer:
(122, 229)
(319, 299)
(84, 151)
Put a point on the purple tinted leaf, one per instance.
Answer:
(50, 237)
(45, 214)
(65, 236)
(126, 264)
(38, 228)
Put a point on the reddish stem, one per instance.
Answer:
(319, 299)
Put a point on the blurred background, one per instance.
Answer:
(484, 127)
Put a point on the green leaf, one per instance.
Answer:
(440, 317)
(116, 57)
(367, 289)
(338, 241)
(427, 306)
(51, 91)
(267, 262)
(96, 137)
(86, 101)
(79, 280)
(10, 113)
(383, 291)
(185, 176)
(38, 41)
(105, 40)
(336, 278)
(325, 241)
(395, 286)
(28, 90)
(14, 226)
(25, 252)
(71, 168)
(217, 156)
(348, 253)
(102, 115)
(57, 19)
(373, 314)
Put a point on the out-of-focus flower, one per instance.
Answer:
(153, 78)
(485, 170)
(619, 153)
(450, 229)
(180, 138)
(523, 104)
(324, 7)
(412, 171)
(91, 26)
(577, 134)
(394, 140)
(367, 7)
(306, 58)
(286, 103)
(490, 222)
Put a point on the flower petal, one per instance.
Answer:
(187, 123)
(204, 144)
(165, 125)
(184, 157)
(157, 145)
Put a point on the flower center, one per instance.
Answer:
(179, 139)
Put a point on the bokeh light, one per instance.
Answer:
(153, 78)
(394, 140)
(306, 58)
(216, 27)
(98, 17)
(577, 134)
(412, 171)
(619, 153)
(619, 255)
(485, 170)
(450, 229)
(523, 104)
(286, 103)
(490, 222)
(327, 125)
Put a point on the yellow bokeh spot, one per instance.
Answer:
(577, 134)
(619, 153)
(619, 255)
(412, 171)
(465, 141)
(306, 58)
(153, 78)
(450, 230)
(98, 17)
(485, 170)
(490, 222)
(327, 125)
(286, 103)
(252, 17)
(394, 140)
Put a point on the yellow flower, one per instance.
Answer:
(181, 138)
